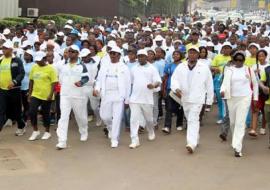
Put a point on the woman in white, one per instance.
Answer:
(113, 85)
(236, 88)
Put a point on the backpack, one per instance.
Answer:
(267, 83)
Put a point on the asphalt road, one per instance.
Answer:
(160, 165)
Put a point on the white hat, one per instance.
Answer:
(85, 52)
(194, 48)
(245, 28)
(6, 31)
(8, 44)
(154, 24)
(74, 47)
(159, 38)
(68, 27)
(210, 44)
(26, 43)
(111, 43)
(116, 49)
(39, 56)
(142, 52)
(227, 44)
(30, 52)
(150, 49)
(101, 28)
(254, 44)
(60, 34)
(203, 43)
(147, 29)
(69, 22)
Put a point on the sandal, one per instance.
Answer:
(252, 133)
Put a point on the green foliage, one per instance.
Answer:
(7, 23)
(75, 18)
(21, 20)
(59, 21)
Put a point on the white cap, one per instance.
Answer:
(26, 43)
(111, 44)
(74, 47)
(116, 49)
(159, 38)
(177, 41)
(60, 34)
(194, 48)
(101, 28)
(30, 52)
(68, 27)
(210, 44)
(154, 24)
(6, 31)
(142, 52)
(8, 44)
(245, 28)
(147, 29)
(39, 55)
(85, 52)
(227, 44)
(254, 44)
(150, 49)
(69, 22)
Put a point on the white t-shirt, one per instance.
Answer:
(240, 82)
(141, 76)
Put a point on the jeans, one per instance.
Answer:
(220, 102)
(10, 101)
(173, 107)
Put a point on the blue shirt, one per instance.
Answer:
(25, 82)
(131, 65)
(160, 65)
(169, 69)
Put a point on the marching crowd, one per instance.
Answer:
(126, 71)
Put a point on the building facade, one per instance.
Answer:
(87, 8)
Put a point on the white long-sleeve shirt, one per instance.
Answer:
(194, 84)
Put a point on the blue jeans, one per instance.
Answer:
(220, 102)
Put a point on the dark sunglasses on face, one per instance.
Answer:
(72, 51)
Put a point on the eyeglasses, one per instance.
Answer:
(72, 51)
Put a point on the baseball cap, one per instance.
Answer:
(194, 48)
(8, 44)
(85, 52)
(74, 47)
(254, 44)
(40, 55)
(30, 52)
(116, 49)
(6, 31)
(227, 44)
(142, 52)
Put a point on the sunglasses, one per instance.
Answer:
(72, 51)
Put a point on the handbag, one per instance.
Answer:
(175, 97)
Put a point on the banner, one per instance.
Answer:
(233, 4)
(261, 4)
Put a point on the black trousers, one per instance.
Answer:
(11, 107)
(173, 107)
(45, 111)
(25, 104)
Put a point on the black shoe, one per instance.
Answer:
(141, 130)
(223, 137)
(106, 132)
(237, 154)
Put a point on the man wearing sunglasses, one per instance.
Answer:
(113, 85)
(72, 77)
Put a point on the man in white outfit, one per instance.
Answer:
(191, 81)
(72, 77)
(92, 68)
(144, 78)
(113, 85)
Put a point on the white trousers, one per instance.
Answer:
(94, 101)
(139, 111)
(238, 111)
(79, 107)
(111, 113)
(192, 114)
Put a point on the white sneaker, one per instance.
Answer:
(8, 123)
(90, 118)
(134, 144)
(84, 137)
(20, 132)
(219, 122)
(151, 136)
(114, 144)
(262, 131)
(99, 123)
(46, 136)
(34, 136)
(180, 128)
(61, 145)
